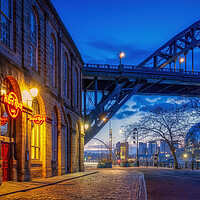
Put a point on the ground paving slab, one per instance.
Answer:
(11, 187)
(88, 185)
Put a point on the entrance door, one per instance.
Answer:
(5, 158)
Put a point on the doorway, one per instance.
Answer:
(5, 156)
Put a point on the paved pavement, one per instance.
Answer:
(106, 184)
(116, 183)
(170, 184)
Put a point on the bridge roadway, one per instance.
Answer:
(163, 81)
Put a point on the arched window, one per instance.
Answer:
(75, 88)
(35, 134)
(54, 136)
(34, 40)
(52, 61)
(6, 21)
(65, 81)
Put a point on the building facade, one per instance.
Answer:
(152, 148)
(142, 148)
(42, 134)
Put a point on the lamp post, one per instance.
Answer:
(181, 60)
(185, 156)
(135, 132)
(192, 157)
(120, 55)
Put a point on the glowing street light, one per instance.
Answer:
(120, 55)
(185, 155)
(34, 92)
(86, 126)
(104, 119)
(181, 60)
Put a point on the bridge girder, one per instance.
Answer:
(179, 45)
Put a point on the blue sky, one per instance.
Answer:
(101, 28)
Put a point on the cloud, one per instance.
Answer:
(124, 107)
(150, 107)
(140, 100)
(136, 106)
(109, 49)
(125, 114)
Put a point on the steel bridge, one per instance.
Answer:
(106, 88)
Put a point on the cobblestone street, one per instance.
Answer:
(107, 184)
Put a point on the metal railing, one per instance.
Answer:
(129, 68)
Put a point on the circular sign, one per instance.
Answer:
(13, 106)
(38, 119)
(3, 120)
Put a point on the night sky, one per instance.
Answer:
(101, 28)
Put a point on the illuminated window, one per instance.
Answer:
(6, 21)
(34, 40)
(75, 88)
(65, 82)
(54, 136)
(35, 134)
(52, 61)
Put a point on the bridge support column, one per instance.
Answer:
(85, 103)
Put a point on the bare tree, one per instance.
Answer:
(169, 123)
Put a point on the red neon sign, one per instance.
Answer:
(13, 106)
(3, 120)
(38, 119)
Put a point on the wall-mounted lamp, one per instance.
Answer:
(86, 126)
(34, 92)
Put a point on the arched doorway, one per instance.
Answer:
(66, 148)
(69, 145)
(10, 127)
(56, 142)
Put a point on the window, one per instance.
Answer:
(65, 82)
(54, 136)
(75, 88)
(6, 22)
(52, 61)
(35, 134)
(34, 40)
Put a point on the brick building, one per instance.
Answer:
(37, 52)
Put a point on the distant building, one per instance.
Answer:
(122, 150)
(142, 148)
(152, 147)
(164, 147)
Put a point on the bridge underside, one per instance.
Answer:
(107, 88)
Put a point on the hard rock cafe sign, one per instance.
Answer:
(3, 120)
(38, 119)
(12, 104)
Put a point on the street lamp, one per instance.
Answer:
(86, 126)
(193, 157)
(120, 55)
(135, 131)
(34, 92)
(181, 60)
(185, 156)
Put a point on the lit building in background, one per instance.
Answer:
(122, 150)
(142, 148)
(164, 147)
(152, 147)
(42, 130)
